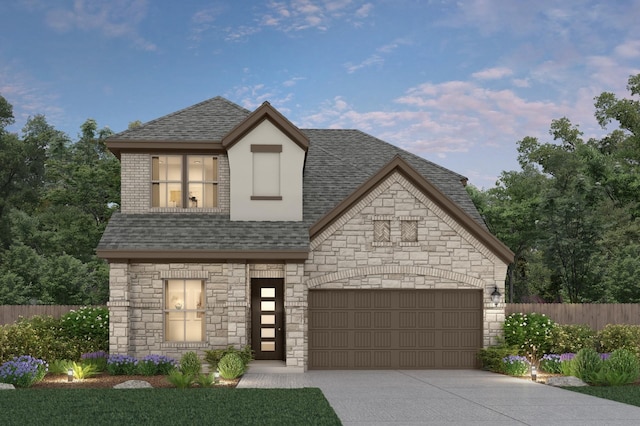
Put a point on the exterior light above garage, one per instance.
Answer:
(495, 296)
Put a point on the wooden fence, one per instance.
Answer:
(10, 313)
(595, 315)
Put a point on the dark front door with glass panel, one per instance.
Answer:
(267, 318)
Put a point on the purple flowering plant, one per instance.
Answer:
(515, 365)
(153, 364)
(23, 371)
(118, 365)
(550, 363)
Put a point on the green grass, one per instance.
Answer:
(306, 406)
(626, 394)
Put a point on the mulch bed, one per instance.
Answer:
(105, 381)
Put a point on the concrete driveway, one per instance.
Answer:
(443, 397)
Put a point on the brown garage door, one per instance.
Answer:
(394, 329)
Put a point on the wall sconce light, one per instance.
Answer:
(495, 296)
(70, 375)
(534, 373)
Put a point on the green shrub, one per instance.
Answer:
(566, 364)
(619, 336)
(515, 365)
(231, 366)
(180, 380)
(531, 333)
(491, 358)
(60, 366)
(190, 364)
(586, 365)
(96, 359)
(213, 357)
(205, 380)
(620, 368)
(83, 371)
(89, 325)
(570, 338)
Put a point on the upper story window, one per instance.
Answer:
(266, 172)
(186, 181)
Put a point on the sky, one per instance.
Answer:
(456, 82)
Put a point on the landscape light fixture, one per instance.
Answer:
(216, 377)
(495, 296)
(534, 373)
(70, 375)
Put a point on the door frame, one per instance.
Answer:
(257, 340)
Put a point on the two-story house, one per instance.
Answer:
(326, 249)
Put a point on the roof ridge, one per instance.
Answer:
(181, 111)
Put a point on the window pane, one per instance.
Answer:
(174, 168)
(193, 294)
(174, 327)
(268, 333)
(267, 306)
(268, 319)
(211, 169)
(174, 191)
(195, 168)
(268, 292)
(195, 195)
(267, 346)
(174, 294)
(211, 195)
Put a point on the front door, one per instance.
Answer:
(267, 318)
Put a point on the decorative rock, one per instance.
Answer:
(565, 381)
(6, 386)
(133, 384)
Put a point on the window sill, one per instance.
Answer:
(382, 244)
(264, 197)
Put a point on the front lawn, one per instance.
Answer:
(628, 394)
(166, 407)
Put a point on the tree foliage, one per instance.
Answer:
(571, 214)
(56, 197)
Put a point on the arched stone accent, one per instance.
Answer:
(465, 280)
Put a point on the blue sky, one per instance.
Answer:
(457, 82)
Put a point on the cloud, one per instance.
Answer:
(629, 49)
(291, 16)
(492, 73)
(377, 58)
(28, 97)
(114, 19)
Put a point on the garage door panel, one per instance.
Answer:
(408, 319)
(380, 329)
(382, 320)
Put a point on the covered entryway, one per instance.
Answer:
(394, 329)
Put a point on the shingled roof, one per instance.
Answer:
(337, 163)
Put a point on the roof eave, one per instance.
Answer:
(190, 256)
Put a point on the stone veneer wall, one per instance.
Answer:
(136, 318)
(136, 185)
(445, 256)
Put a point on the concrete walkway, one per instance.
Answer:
(444, 397)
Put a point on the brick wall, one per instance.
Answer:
(136, 185)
